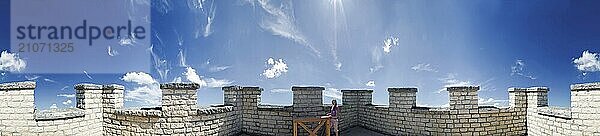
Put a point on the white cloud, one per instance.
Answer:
(140, 78)
(53, 106)
(11, 62)
(276, 69)
(67, 102)
(190, 74)
(211, 82)
(281, 90)
(388, 43)
(427, 105)
(588, 62)
(423, 67)
(451, 81)
(148, 95)
(281, 22)
(147, 92)
(519, 69)
(493, 102)
(370, 83)
(333, 93)
(66, 95)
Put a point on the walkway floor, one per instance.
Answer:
(359, 131)
(355, 131)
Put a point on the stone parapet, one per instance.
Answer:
(586, 86)
(23, 85)
(463, 97)
(180, 86)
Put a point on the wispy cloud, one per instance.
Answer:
(493, 102)
(182, 62)
(209, 20)
(424, 67)
(212, 82)
(177, 80)
(179, 37)
(519, 69)
(87, 75)
(276, 68)
(49, 80)
(451, 81)
(281, 22)
(162, 6)
(370, 83)
(33, 77)
(160, 65)
(588, 62)
(427, 105)
(11, 62)
(66, 95)
(281, 90)
(376, 60)
(65, 87)
(333, 93)
(218, 68)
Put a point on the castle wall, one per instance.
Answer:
(582, 118)
(99, 111)
(403, 117)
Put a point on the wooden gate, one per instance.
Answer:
(312, 132)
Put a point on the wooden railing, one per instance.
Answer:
(313, 132)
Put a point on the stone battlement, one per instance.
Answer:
(100, 111)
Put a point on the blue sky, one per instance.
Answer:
(352, 44)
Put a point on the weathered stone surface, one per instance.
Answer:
(58, 114)
(586, 86)
(180, 86)
(88, 86)
(402, 89)
(17, 85)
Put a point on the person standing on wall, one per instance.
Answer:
(333, 116)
